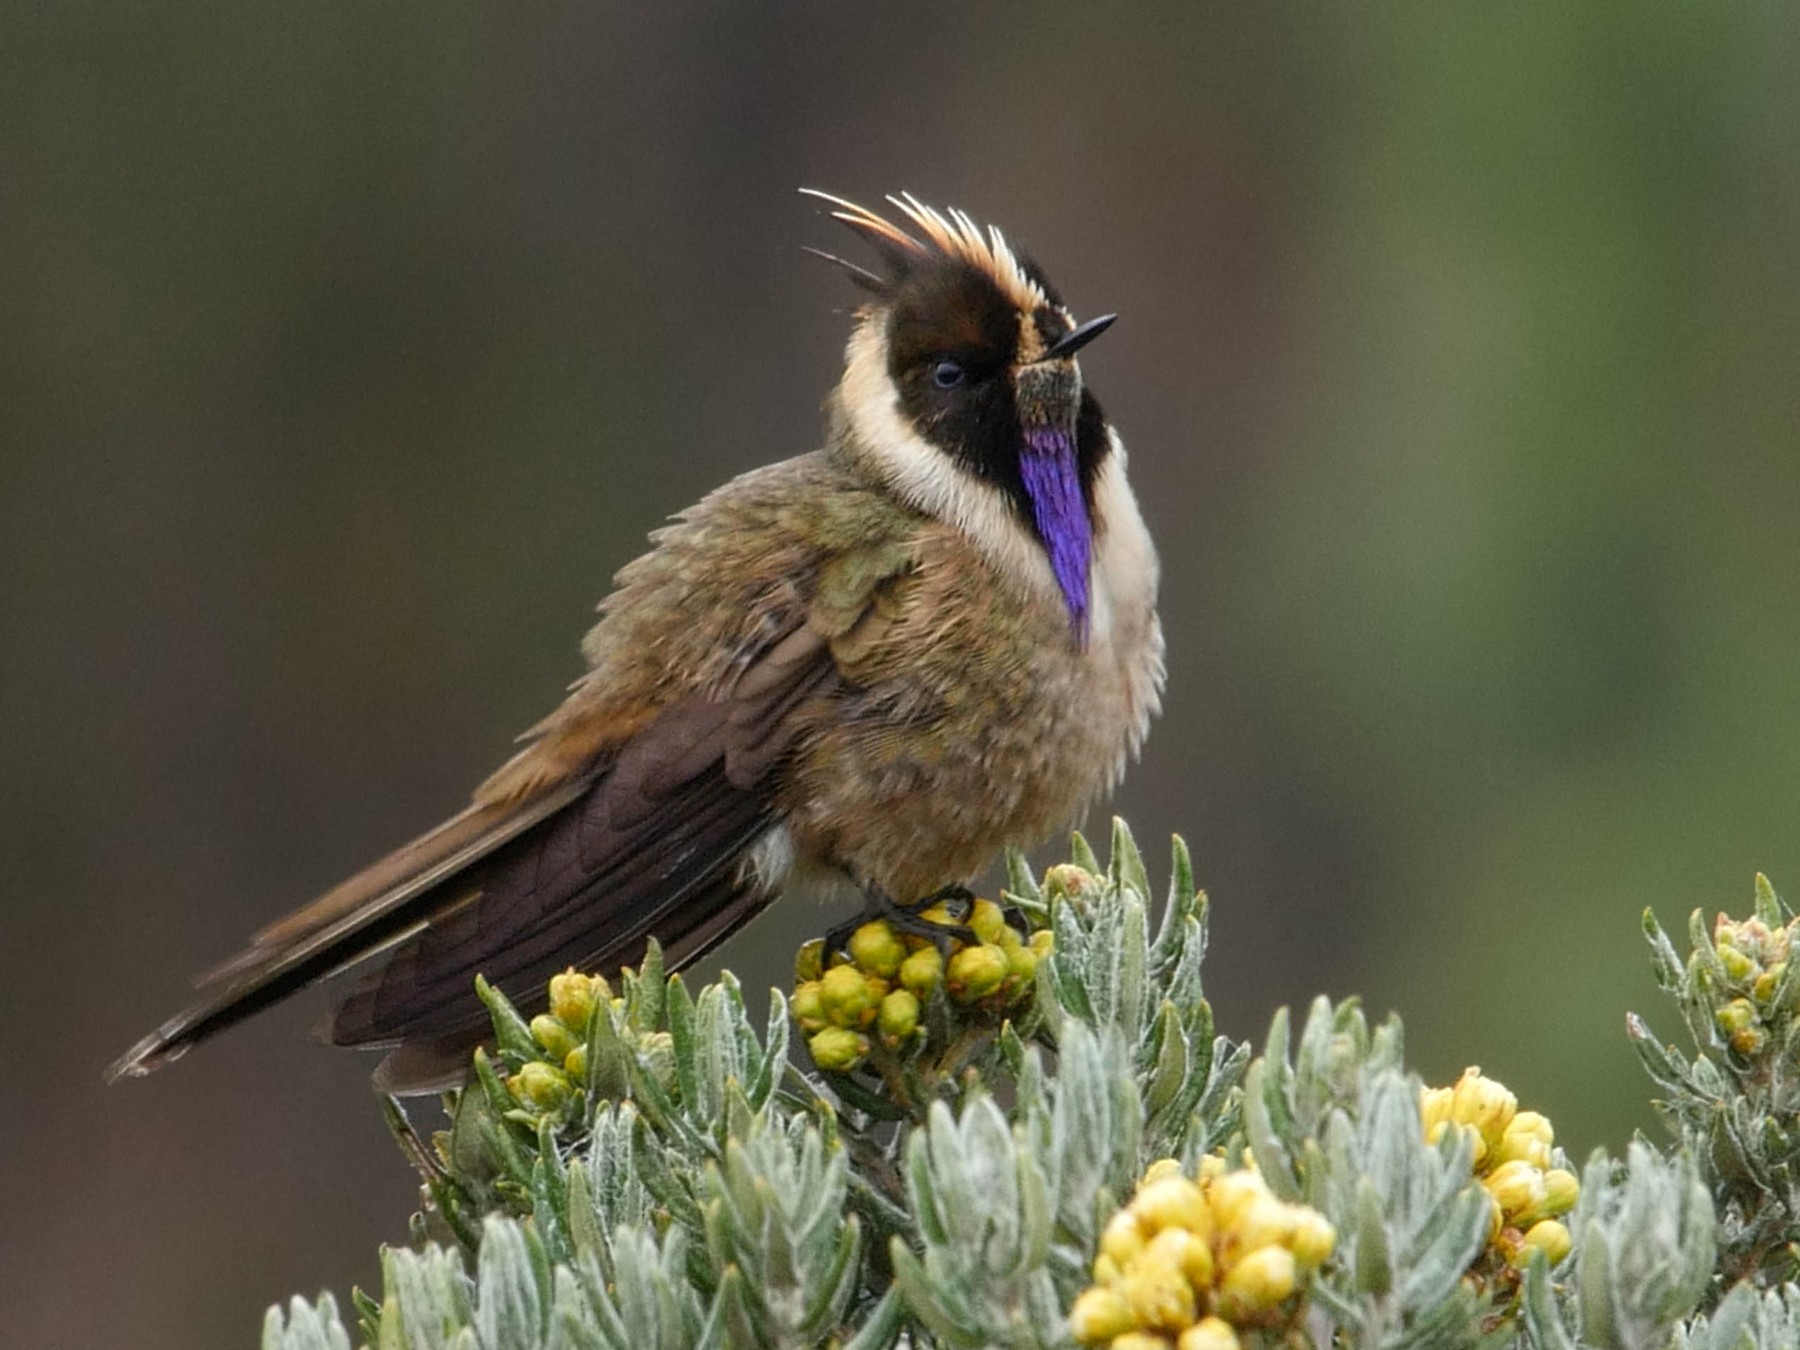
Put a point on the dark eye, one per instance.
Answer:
(948, 374)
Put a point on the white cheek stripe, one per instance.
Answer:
(924, 476)
(1124, 572)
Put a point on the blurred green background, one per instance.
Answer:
(345, 351)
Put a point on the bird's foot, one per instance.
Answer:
(909, 919)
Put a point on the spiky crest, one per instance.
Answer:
(950, 233)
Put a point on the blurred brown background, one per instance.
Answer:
(345, 351)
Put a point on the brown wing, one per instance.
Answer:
(655, 847)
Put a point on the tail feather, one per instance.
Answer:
(354, 922)
(651, 838)
(534, 918)
(441, 1062)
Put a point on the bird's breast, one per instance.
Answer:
(977, 721)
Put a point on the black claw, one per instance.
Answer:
(909, 919)
(837, 939)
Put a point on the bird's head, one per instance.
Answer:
(963, 389)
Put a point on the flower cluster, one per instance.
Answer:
(1512, 1156)
(550, 1082)
(875, 990)
(1753, 956)
(1192, 1265)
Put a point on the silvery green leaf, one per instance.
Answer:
(429, 1297)
(881, 1328)
(1183, 903)
(1096, 1121)
(978, 1279)
(1746, 1319)
(1126, 868)
(1769, 907)
(1541, 1310)
(1666, 1071)
(307, 1326)
(511, 1034)
(776, 1210)
(1081, 853)
(773, 1062)
(1371, 1262)
(510, 1289)
(679, 1008)
(1020, 881)
(1644, 1248)
(1169, 1059)
(1664, 961)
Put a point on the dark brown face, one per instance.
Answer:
(954, 349)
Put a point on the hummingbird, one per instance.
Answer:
(879, 663)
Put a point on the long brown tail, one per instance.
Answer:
(584, 874)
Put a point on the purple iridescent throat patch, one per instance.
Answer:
(1053, 482)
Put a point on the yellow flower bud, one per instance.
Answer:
(1258, 1282)
(1487, 1105)
(1550, 1237)
(809, 961)
(1231, 1193)
(1749, 1041)
(1186, 1251)
(922, 971)
(975, 972)
(1123, 1238)
(1209, 1333)
(899, 1017)
(1043, 942)
(1099, 1315)
(572, 999)
(1478, 1149)
(1314, 1239)
(575, 1064)
(877, 949)
(556, 1038)
(1434, 1111)
(845, 996)
(1162, 1167)
(1021, 966)
(1738, 965)
(1106, 1270)
(1264, 1222)
(1158, 1295)
(985, 920)
(1068, 879)
(1736, 1015)
(808, 1006)
(1173, 1202)
(540, 1087)
(838, 1049)
(1527, 1138)
(1561, 1190)
(1518, 1187)
(1764, 988)
(1211, 1167)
